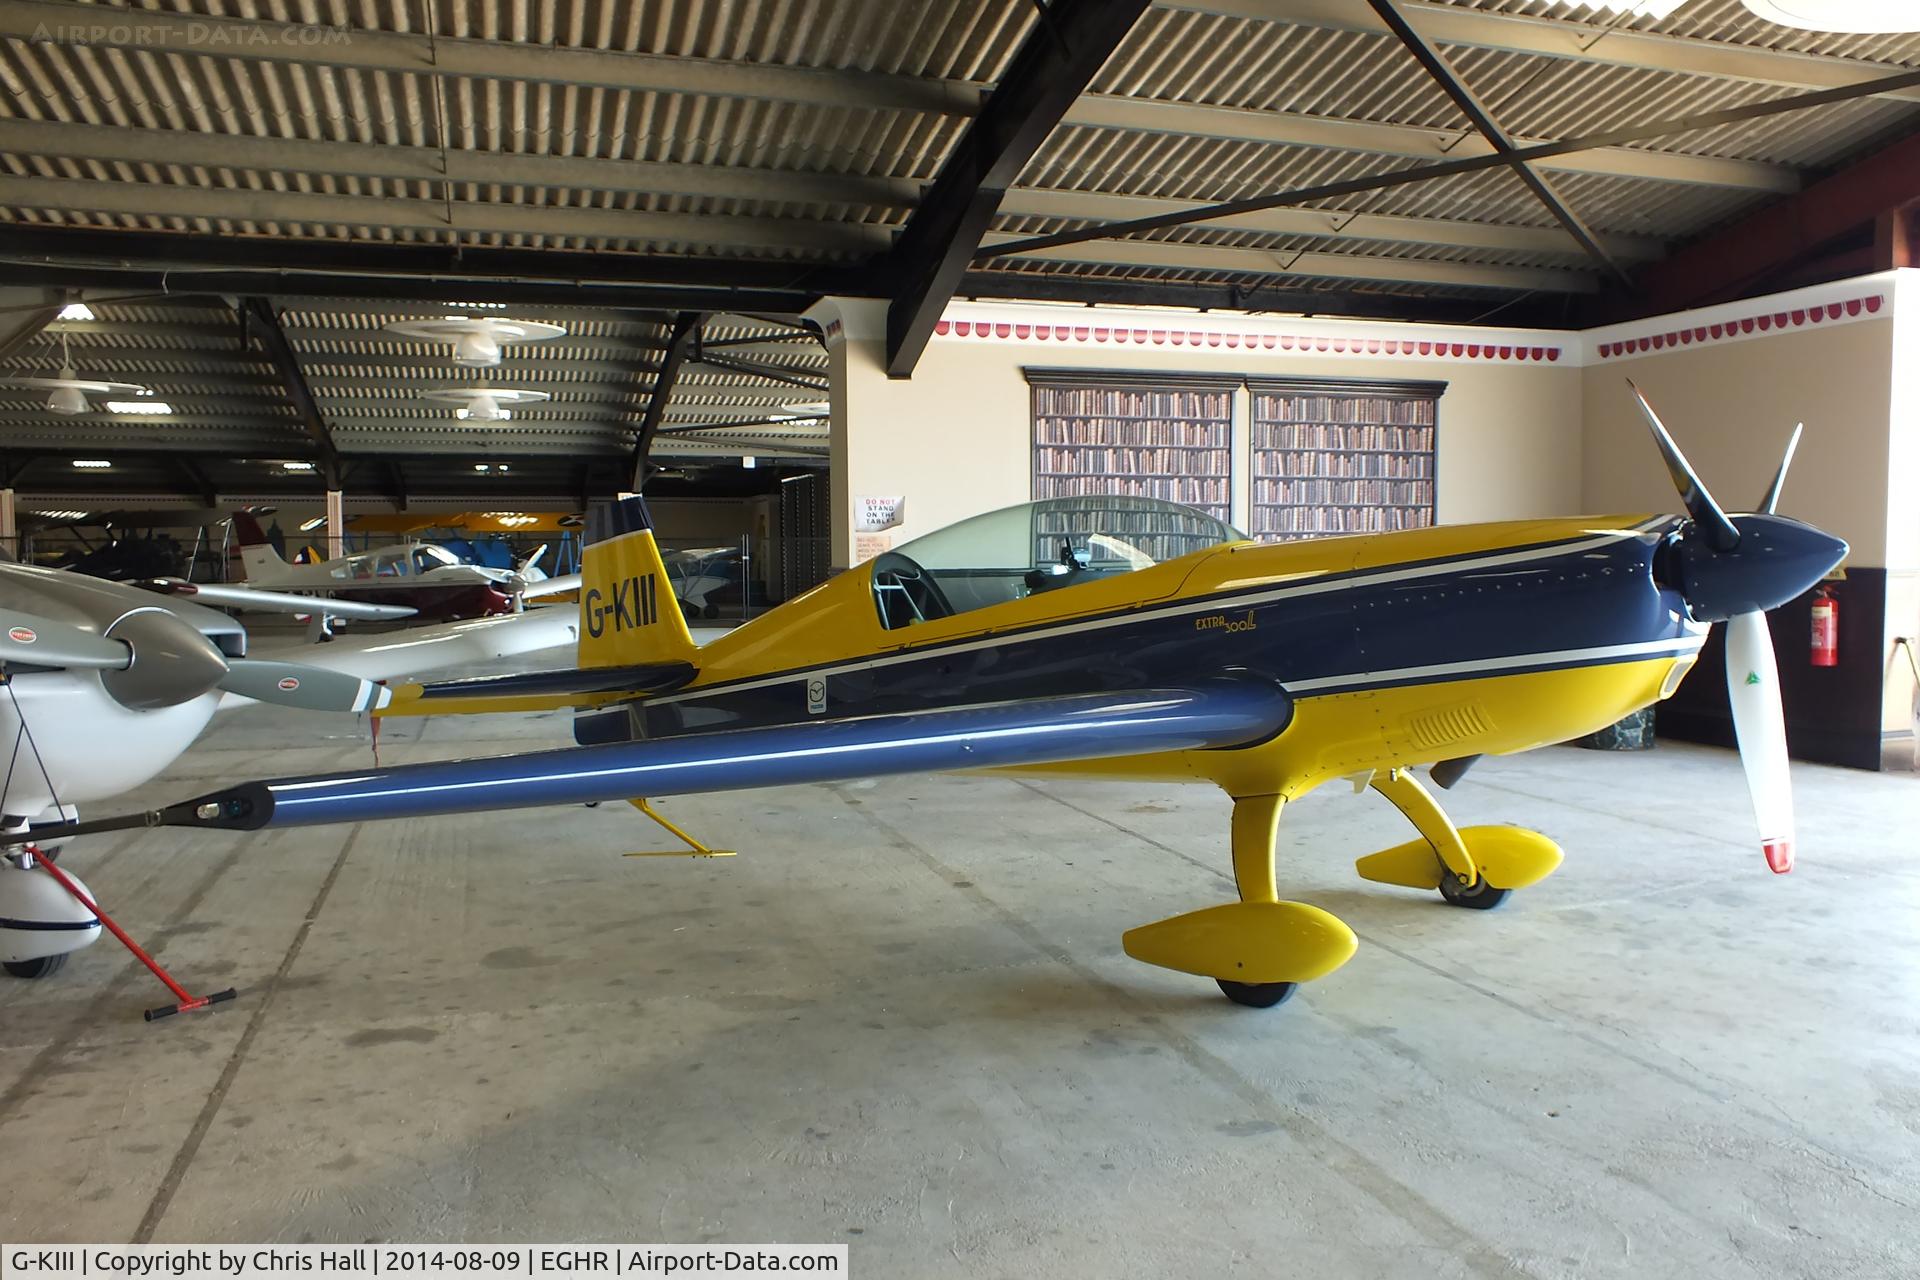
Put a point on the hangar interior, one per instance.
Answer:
(817, 281)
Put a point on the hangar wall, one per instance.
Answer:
(956, 438)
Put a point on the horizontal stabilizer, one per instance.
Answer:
(1217, 714)
(553, 686)
(552, 586)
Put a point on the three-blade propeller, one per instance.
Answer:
(151, 659)
(1733, 569)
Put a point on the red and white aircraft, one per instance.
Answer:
(429, 579)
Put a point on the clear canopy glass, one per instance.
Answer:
(1048, 545)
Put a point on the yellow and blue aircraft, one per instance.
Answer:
(1134, 639)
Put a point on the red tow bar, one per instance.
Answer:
(188, 1002)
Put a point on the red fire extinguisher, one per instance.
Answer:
(1826, 630)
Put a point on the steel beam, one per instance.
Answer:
(168, 148)
(1049, 70)
(1574, 41)
(163, 32)
(1268, 294)
(1449, 168)
(1334, 224)
(1339, 266)
(235, 205)
(1442, 73)
(1292, 129)
(226, 265)
(263, 324)
(684, 335)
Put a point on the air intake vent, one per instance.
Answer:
(1448, 725)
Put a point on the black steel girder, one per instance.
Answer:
(683, 336)
(263, 322)
(1060, 56)
(1443, 74)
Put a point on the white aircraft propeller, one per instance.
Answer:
(1724, 580)
(151, 659)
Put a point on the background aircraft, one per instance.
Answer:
(1137, 639)
(105, 684)
(429, 579)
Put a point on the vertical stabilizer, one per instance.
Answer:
(628, 614)
(263, 564)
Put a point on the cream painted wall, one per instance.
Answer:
(956, 438)
(1731, 407)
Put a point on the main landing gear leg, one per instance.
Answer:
(1258, 949)
(1474, 867)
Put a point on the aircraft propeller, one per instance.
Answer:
(150, 659)
(1733, 569)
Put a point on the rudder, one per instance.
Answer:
(263, 564)
(628, 614)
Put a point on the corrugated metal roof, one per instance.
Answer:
(804, 134)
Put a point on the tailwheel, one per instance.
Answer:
(1258, 995)
(1479, 896)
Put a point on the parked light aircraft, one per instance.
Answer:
(1134, 639)
(104, 684)
(430, 579)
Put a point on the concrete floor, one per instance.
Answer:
(902, 1019)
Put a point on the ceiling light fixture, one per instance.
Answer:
(91, 464)
(139, 406)
(485, 404)
(308, 526)
(76, 311)
(296, 466)
(69, 390)
(476, 339)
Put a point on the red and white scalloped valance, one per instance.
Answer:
(1205, 339)
(1771, 321)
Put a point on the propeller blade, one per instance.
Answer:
(293, 684)
(1721, 535)
(1772, 499)
(42, 642)
(533, 559)
(1753, 687)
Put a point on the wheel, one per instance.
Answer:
(1481, 897)
(44, 967)
(1257, 995)
(710, 611)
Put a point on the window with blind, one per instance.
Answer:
(1128, 435)
(1338, 457)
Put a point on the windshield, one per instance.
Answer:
(1034, 547)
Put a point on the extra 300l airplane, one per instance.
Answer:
(1129, 638)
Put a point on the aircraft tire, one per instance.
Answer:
(1481, 897)
(44, 967)
(1258, 995)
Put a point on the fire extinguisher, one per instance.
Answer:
(1826, 629)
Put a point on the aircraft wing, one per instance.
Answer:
(1214, 714)
(233, 597)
